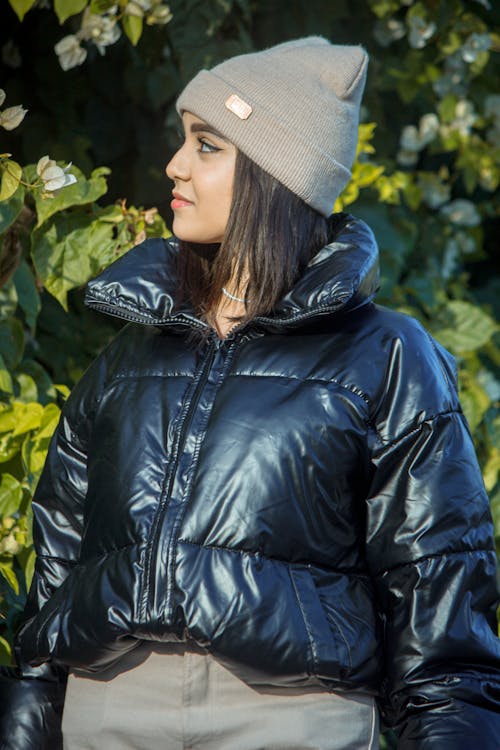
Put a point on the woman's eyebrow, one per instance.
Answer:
(202, 127)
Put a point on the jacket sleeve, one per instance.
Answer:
(32, 697)
(430, 548)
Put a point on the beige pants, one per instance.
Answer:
(178, 697)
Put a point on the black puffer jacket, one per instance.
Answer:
(302, 497)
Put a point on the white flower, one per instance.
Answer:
(475, 44)
(453, 80)
(9, 545)
(465, 117)
(388, 30)
(460, 244)
(11, 117)
(100, 29)
(410, 139)
(54, 177)
(428, 128)
(150, 215)
(434, 192)
(449, 83)
(160, 14)
(137, 8)
(420, 31)
(450, 259)
(462, 213)
(415, 139)
(491, 385)
(407, 158)
(70, 52)
(488, 179)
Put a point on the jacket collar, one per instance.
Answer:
(140, 285)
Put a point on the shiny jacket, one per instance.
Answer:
(302, 498)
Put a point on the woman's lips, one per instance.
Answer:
(179, 202)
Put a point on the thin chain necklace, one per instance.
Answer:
(232, 296)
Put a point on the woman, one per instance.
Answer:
(261, 514)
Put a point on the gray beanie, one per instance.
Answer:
(293, 109)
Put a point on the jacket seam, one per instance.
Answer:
(414, 429)
(351, 388)
(434, 555)
(288, 563)
(440, 363)
(107, 299)
(333, 623)
(143, 374)
(312, 644)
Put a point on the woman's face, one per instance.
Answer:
(202, 171)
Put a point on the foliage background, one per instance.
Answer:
(426, 180)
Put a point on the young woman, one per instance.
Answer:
(261, 520)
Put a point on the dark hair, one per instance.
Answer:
(270, 230)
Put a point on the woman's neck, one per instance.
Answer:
(229, 307)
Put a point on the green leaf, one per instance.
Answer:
(48, 422)
(447, 107)
(11, 208)
(475, 402)
(8, 299)
(10, 446)
(66, 8)
(62, 389)
(9, 575)
(67, 252)
(11, 342)
(81, 192)
(463, 327)
(28, 567)
(28, 391)
(132, 26)
(5, 379)
(11, 495)
(5, 651)
(27, 293)
(492, 469)
(101, 6)
(11, 176)
(21, 7)
(28, 417)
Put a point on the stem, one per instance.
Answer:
(37, 183)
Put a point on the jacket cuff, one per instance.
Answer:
(31, 709)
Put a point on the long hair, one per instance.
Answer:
(270, 237)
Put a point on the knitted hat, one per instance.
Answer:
(293, 109)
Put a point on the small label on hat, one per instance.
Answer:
(237, 106)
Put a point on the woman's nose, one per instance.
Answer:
(177, 168)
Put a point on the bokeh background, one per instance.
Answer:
(99, 80)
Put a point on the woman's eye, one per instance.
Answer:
(206, 148)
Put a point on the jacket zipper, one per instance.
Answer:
(118, 312)
(157, 525)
